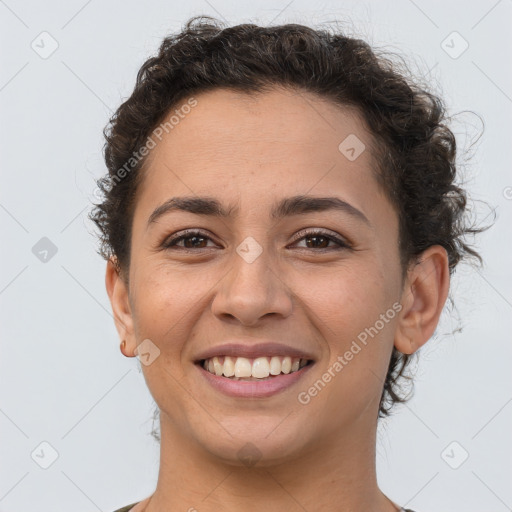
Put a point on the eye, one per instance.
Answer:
(321, 239)
(192, 240)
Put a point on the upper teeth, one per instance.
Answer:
(260, 367)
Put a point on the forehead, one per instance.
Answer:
(281, 120)
(250, 146)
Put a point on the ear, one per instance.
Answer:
(119, 299)
(423, 298)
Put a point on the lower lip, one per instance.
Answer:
(254, 388)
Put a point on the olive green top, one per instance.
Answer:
(129, 507)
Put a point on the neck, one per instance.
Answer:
(338, 474)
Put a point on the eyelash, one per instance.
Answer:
(342, 244)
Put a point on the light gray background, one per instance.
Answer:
(63, 379)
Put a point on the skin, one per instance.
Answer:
(252, 151)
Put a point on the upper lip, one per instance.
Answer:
(260, 349)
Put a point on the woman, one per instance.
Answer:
(280, 222)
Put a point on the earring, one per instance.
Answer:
(123, 348)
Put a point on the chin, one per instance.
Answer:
(255, 442)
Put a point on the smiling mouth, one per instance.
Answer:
(253, 369)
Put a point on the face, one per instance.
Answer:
(319, 281)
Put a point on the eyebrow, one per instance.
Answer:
(295, 205)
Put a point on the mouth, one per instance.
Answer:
(257, 377)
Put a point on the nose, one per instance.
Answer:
(251, 290)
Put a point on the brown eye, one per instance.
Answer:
(321, 239)
(191, 240)
(317, 241)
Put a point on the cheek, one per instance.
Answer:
(164, 312)
(164, 309)
(344, 300)
(348, 306)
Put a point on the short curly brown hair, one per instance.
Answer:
(412, 143)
